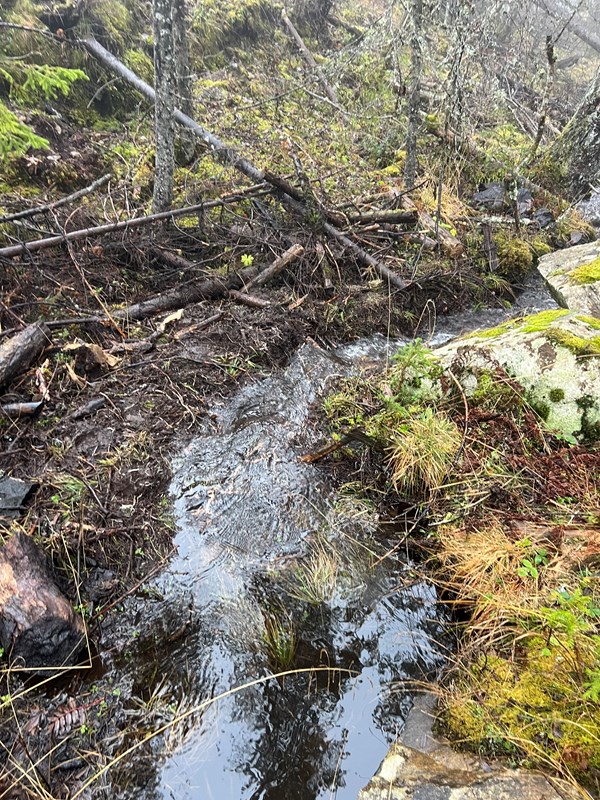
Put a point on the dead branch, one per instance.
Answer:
(559, 11)
(230, 156)
(291, 254)
(113, 227)
(19, 352)
(391, 215)
(451, 244)
(308, 57)
(31, 212)
(248, 299)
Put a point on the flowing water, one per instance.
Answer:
(253, 522)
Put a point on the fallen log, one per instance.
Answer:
(181, 296)
(248, 299)
(39, 629)
(308, 57)
(390, 215)
(291, 254)
(31, 212)
(20, 351)
(228, 155)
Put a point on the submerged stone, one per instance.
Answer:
(573, 276)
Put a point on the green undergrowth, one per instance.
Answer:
(479, 462)
(534, 696)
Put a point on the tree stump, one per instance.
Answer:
(38, 626)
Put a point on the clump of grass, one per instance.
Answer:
(421, 452)
(279, 637)
(535, 696)
(315, 579)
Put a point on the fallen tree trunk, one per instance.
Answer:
(31, 212)
(112, 227)
(182, 296)
(230, 156)
(21, 350)
(38, 627)
(560, 12)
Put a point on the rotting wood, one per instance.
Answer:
(20, 351)
(31, 212)
(291, 254)
(309, 58)
(39, 629)
(112, 227)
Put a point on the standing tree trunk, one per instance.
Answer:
(579, 145)
(187, 144)
(414, 96)
(164, 122)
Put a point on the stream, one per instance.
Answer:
(273, 559)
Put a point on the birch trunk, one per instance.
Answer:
(164, 122)
(414, 97)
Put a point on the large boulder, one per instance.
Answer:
(554, 355)
(573, 276)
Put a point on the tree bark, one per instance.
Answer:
(579, 144)
(414, 97)
(164, 122)
(183, 76)
(21, 350)
(38, 627)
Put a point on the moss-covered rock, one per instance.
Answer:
(573, 276)
(554, 356)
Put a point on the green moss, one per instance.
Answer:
(576, 344)
(586, 273)
(531, 324)
(592, 322)
(141, 64)
(542, 320)
(541, 706)
(515, 255)
(556, 395)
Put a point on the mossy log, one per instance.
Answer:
(21, 350)
(38, 626)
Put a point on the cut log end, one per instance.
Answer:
(39, 630)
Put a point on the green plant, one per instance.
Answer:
(279, 637)
(421, 451)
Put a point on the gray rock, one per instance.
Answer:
(407, 773)
(573, 276)
(590, 208)
(554, 354)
